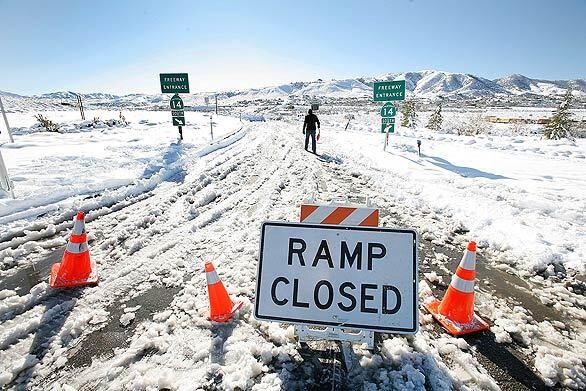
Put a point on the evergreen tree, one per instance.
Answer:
(435, 121)
(559, 125)
(409, 119)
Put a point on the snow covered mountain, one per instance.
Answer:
(422, 84)
(519, 84)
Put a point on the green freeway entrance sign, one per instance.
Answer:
(174, 82)
(176, 103)
(388, 110)
(389, 90)
(178, 121)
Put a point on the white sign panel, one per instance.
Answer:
(328, 275)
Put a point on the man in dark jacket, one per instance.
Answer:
(309, 129)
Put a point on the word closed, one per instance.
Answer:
(354, 277)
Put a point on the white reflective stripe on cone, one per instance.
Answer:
(77, 248)
(462, 285)
(78, 227)
(468, 261)
(212, 277)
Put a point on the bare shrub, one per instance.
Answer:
(46, 123)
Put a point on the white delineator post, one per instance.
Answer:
(6, 120)
(5, 182)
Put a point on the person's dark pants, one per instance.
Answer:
(308, 134)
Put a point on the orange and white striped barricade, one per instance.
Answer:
(337, 214)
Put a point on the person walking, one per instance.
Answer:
(309, 129)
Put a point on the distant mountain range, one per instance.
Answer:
(423, 84)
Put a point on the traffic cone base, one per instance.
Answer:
(455, 328)
(228, 315)
(56, 281)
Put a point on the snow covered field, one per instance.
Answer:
(158, 209)
(52, 171)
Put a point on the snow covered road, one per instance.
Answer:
(144, 326)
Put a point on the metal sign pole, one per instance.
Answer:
(4, 176)
(6, 121)
(211, 127)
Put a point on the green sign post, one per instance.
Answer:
(174, 82)
(386, 91)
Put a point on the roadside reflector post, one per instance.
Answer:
(6, 121)
(419, 147)
(5, 181)
(211, 127)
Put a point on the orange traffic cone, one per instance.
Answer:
(221, 306)
(76, 268)
(456, 311)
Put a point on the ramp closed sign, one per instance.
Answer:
(353, 277)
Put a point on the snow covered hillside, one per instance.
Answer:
(428, 84)
(158, 208)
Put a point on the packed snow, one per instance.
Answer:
(158, 208)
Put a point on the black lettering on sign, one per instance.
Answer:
(365, 297)
(297, 303)
(323, 252)
(299, 251)
(348, 296)
(397, 306)
(356, 255)
(330, 294)
(378, 255)
(274, 290)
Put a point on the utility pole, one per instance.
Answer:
(6, 121)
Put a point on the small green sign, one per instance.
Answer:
(178, 121)
(388, 110)
(388, 120)
(177, 113)
(174, 82)
(176, 103)
(387, 128)
(389, 90)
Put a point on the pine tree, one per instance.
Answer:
(409, 119)
(435, 121)
(559, 125)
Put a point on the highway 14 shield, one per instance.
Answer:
(326, 275)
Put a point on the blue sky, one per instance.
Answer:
(121, 46)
